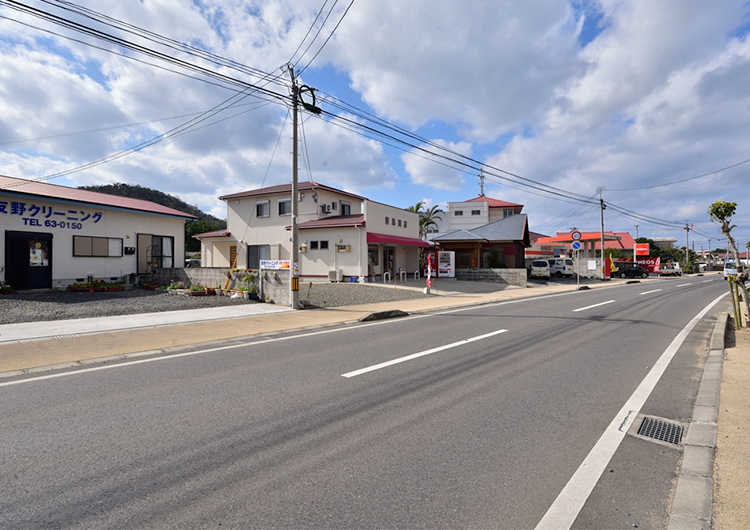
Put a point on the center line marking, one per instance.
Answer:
(590, 306)
(683, 284)
(654, 291)
(421, 354)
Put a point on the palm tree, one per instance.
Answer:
(428, 219)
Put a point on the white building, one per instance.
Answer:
(52, 236)
(341, 235)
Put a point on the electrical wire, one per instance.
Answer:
(329, 36)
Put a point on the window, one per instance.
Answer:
(162, 251)
(285, 207)
(333, 206)
(346, 208)
(261, 209)
(314, 245)
(507, 212)
(100, 247)
(324, 245)
(476, 212)
(255, 253)
(387, 220)
(458, 213)
(399, 223)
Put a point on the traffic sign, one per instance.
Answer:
(575, 235)
(576, 245)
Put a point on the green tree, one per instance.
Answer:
(427, 217)
(722, 212)
(198, 227)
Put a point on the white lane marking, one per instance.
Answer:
(682, 285)
(289, 337)
(421, 354)
(564, 511)
(590, 306)
(706, 281)
(654, 291)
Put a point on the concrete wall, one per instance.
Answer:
(510, 276)
(274, 287)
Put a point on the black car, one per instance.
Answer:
(628, 269)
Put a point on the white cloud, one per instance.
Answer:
(429, 170)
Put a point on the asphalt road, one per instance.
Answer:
(470, 418)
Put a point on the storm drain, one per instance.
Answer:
(661, 430)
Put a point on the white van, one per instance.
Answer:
(730, 268)
(539, 269)
(561, 267)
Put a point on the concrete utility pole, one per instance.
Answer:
(687, 245)
(636, 230)
(602, 207)
(296, 99)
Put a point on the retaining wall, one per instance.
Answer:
(510, 276)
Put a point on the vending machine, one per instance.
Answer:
(443, 263)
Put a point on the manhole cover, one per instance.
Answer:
(661, 430)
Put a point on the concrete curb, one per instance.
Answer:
(693, 496)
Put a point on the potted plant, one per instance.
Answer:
(197, 289)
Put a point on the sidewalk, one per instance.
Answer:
(37, 347)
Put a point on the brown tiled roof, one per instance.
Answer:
(42, 190)
(287, 188)
(336, 221)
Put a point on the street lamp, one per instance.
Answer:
(636, 230)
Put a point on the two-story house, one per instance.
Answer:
(341, 235)
(484, 233)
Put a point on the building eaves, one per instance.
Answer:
(287, 188)
(42, 190)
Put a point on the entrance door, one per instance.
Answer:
(389, 260)
(28, 260)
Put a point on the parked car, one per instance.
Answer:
(540, 268)
(670, 269)
(192, 262)
(561, 267)
(628, 269)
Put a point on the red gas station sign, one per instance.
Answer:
(641, 249)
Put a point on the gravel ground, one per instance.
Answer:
(57, 305)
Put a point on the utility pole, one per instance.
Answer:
(296, 99)
(636, 230)
(602, 207)
(687, 245)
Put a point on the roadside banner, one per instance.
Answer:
(429, 270)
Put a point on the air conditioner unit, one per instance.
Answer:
(326, 208)
(336, 275)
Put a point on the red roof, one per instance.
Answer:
(612, 240)
(215, 233)
(373, 237)
(286, 188)
(495, 203)
(42, 190)
(336, 221)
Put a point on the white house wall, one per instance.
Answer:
(63, 220)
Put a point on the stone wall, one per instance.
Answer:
(510, 276)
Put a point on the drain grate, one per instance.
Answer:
(661, 430)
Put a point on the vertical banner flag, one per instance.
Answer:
(429, 270)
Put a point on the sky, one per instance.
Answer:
(555, 102)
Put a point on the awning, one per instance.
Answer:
(373, 237)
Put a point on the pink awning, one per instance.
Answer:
(373, 237)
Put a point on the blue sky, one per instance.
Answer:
(646, 100)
